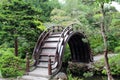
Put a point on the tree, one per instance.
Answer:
(103, 32)
(17, 20)
(45, 6)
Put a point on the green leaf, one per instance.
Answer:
(105, 1)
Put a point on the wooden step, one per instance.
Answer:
(53, 39)
(46, 60)
(52, 36)
(48, 47)
(46, 57)
(46, 54)
(49, 41)
(53, 44)
(55, 35)
(45, 65)
(48, 51)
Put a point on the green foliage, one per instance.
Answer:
(105, 1)
(40, 25)
(5, 48)
(98, 67)
(79, 69)
(97, 18)
(117, 49)
(114, 65)
(44, 6)
(114, 62)
(23, 47)
(60, 16)
(88, 74)
(11, 66)
(114, 32)
(112, 42)
(70, 77)
(96, 42)
(17, 20)
(67, 54)
(0, 74)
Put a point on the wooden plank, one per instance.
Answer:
(51, 44)
(44, 47)
(46, 54)
(55, 35)
(53, 39)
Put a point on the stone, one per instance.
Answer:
(60, 76)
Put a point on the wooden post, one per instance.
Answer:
(62, 28)
(58, 28)
(49, 66)
(53, 28)
(16, 46)
(27, 62)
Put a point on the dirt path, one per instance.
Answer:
(98, 57)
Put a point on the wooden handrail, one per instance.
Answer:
(38, 42)
(49, 29)
(67, 29)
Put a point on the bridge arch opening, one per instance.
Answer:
(79, 48)
(76, 49)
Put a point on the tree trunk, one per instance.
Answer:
(16, 46)
(103, 32)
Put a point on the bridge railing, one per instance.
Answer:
(59, 47)
(60, 44)
(42, 37)
(63, 37)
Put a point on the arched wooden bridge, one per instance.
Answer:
(50, 47)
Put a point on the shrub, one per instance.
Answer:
(117, 49)
(11, 65)
(88, 74)
(70, 77)
(78, 69)
(96, 43)
(114, 62)
(67, 54)
(98, 67)
(115, 65)
(4, 49)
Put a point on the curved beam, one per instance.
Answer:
(80, 50)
